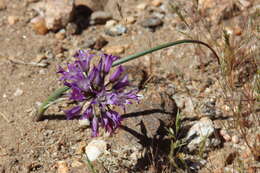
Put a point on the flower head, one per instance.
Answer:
(97, 91)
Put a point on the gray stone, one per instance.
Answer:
(151, 22)
(199, 132)
(94, 43)
(57, 14)
(99, 17)
(117, 30)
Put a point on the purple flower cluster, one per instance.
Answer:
(95, 92)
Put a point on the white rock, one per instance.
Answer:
(95, 148)
(100, 17)
(114, 50)
(18, 92)
(12, 20)
(198, 132)
(110, 23)
(42, 71)
(57, 13)
(62, 167)
(225, 135)
(157, 3)
(235, 139)
(141, 6)
(130, 20)
(84, 123)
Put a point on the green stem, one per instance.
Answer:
(57, 93)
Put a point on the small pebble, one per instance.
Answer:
(130, 20)
(84, 123)
(89, 43)
(100, 43)
(157, 3)
(42, 71)
(62, 167)
(95, 148)
(246, 153)
(229, 30)
(110, 23)
(151, 22)
(94, 43)
(117, 30)
(141, 6)
(238, 31)
(225, 135)
(99, 17)
(80, 148)
(235, 139)
(59, 55)
(48, 132)
(114, 50)
(38, 25)
(18, 92)
(12, 20)
(76, 164)
(61, 34)
(159, 15)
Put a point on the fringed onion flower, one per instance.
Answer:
(97, 92)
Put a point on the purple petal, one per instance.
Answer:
(95, 127)
(116, 75)
(122, 83)
(84, 84)
(87, 113)
(104, 121)
(110, 120)
(100, 64)
(115, 117)
(109, 59)
(98, 80)
(71, 113)
(132, 95)
(93, 74)
(60, 70)
(121, 98)
(73, 73)
(76, 94)
(84, 59)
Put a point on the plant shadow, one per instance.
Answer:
(81, 18)
(157, 149)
